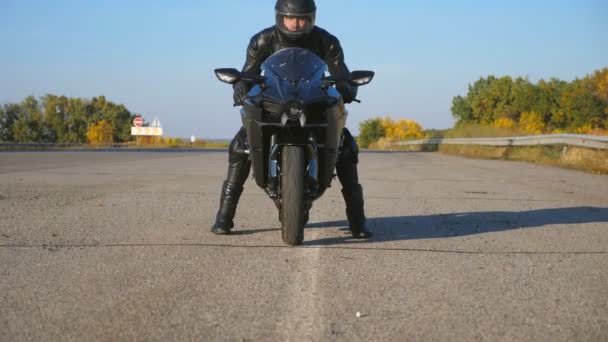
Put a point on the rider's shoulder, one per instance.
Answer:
(327, 37)
(264, 35)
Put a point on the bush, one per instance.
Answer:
(100, 133)
(401, 129)
(370, 131)
(381, 131)
(532, 122)
(504, 122)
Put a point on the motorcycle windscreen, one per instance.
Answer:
(294, 73)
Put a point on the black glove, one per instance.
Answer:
(241, 88)
(348, 92)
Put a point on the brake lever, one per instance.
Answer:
(247, 97)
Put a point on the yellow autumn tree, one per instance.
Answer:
(600, 83)
(401, 129)
(387, 124)
(504, 122)
(585, 129)
(100, 133)
(532, 122)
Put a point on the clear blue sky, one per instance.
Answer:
(157, 57)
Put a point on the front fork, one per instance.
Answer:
(312, 174)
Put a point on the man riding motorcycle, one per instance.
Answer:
(295, 27)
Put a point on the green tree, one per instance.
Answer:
(60, 119)
(462, 110)
(3, 120)
(76, 121)
(525, 97)
(482, 104)
(599, 87)
(10, 114)
(548, 103)
(54, 117)
(580, 106)
(29, 124)
(117, 116)
(120, 119)
(500, 97)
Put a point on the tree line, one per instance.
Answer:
(59, 119)
(552, 106)
(385, 130)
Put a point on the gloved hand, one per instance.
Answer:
(241, 88)
(348, 92)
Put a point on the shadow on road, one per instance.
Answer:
(253, 231)
(459, 224)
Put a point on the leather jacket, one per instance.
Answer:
(319, 41)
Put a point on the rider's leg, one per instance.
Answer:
(238, 170)
(346, 168)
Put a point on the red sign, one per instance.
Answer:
(137, 122)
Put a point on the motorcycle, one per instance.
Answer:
(294, 118)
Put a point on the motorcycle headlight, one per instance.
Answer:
(294, 110)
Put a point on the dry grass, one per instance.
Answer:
(480, 131)
(587, 159)
(182, 144)
(475, 151)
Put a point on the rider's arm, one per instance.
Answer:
(337, 68)
(256, 53)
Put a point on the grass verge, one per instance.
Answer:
(586, 159)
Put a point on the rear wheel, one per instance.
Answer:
(292, 194)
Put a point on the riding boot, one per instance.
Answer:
(346, 168)
(239, 166)
(228, 202)
(355, 213)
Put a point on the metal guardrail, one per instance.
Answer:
(592, 141)
(43, 146)
(118, 147)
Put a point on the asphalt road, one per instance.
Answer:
(116, 246)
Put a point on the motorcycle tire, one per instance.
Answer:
(292, 194)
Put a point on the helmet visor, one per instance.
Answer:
(295, 24)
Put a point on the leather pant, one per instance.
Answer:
(239, 167)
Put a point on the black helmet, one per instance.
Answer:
(295, 10)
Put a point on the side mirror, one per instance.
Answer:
(231, 76)
(356, 78)
(228, 75)
(253, 78)
(361, 77)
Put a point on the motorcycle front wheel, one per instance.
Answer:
(292, 194)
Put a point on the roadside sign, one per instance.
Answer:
(153, 131)
(155, 123)
(138, 122)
